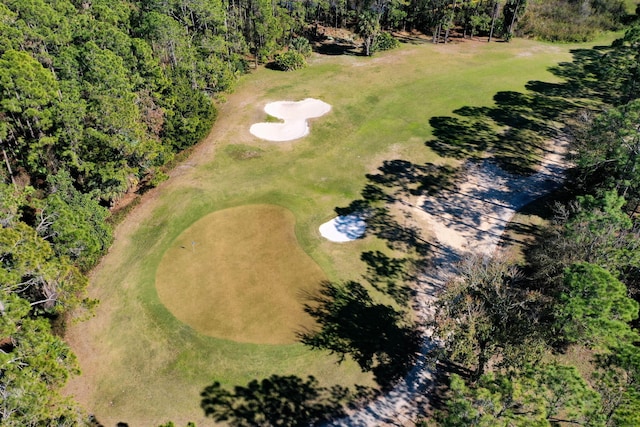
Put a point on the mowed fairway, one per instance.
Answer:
(141, 364)
(240, 274)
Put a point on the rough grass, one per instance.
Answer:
(240, 274)
(142, 365)
(631, 6)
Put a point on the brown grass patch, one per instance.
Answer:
(240, 274)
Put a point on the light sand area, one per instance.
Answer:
(343, 228)
(295, 115)
(470, 218)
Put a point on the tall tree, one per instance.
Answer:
(368, 28)
(512, 12)
(494, 17)
(34, 364)
(28, 93)
(482, 312)
(591, 229)
(617, 379)
(609, 151)
(74, 223)
(544, 396)
(12, 200)
(351, 323)
(594, 308)
(621, 66)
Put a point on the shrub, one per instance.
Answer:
(290, 60)
(385, 41)
(562, 20)
(301, 45)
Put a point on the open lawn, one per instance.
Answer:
(141, 364)
(239, 274)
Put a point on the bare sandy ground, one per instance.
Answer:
(295, 117)
(471, 218)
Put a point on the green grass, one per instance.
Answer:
(240, 274)
(141, 364)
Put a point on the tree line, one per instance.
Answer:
(110, 91)
(505, 323)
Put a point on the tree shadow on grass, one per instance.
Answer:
(279, 401)
(582, 78)
(387, 206)
(378, 337)
(415, 39)
(514, 131)
(337, 48)
(596, 76)
(388, 195)
(388, 275)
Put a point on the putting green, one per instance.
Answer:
(240, 274)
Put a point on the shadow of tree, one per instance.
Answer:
(582, 78)
(461, 138)
(377, 336)
(602, 74)
(388, 275)
(514, 131)
(337, 48)
(405, 178)
(387, 204)
(415, 39)
(515, 128)
(387, 197)
(279, 401)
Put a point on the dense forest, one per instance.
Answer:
(98, 97)
(508, 326)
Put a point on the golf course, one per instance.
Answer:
(208, 276)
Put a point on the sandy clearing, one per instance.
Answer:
(471, 218)
(294, 114)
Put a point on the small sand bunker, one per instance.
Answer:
(294, 114)
(343, 228)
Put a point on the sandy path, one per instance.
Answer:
(470, 218)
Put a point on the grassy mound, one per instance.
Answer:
(240, 274)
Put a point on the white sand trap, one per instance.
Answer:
(294, 114)
(343, 228)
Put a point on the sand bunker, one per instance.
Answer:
(294, 114)
(343, 228)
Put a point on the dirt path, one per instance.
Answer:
(471, 218)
